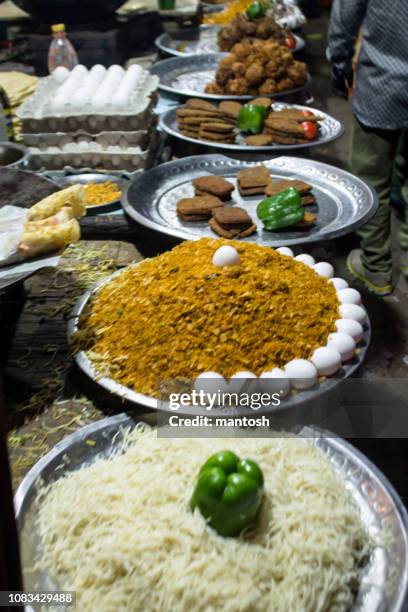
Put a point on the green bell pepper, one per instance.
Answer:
(228, 492)
(255, 10)
(251, 118)
(281, 210)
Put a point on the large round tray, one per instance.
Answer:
(385, 580)
(186, 77)
(330, 129)
(344, 201)
(295, 401)
(196, 41)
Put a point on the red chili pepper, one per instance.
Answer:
(307, 113)
(290, 42)
(310, 130)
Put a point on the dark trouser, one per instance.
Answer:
(377, 157)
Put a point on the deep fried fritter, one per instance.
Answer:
(237, 87)
(255, 74)
(213, 88)
(268, 87)
(241, 50)
(238, 68)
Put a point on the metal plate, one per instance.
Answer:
(187, 77)
(344, 202)
(294, 401)
(65, 179)
(384, 582)
(197, 41)
(330, 129)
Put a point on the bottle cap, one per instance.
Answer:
(58, 27)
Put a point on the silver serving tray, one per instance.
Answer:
(187, 77)
(66, 179)
(330, 129)
(296, 401)
(384, 583)
(344, 202)
(197, 41)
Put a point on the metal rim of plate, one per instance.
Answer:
(378, 503)
(169, 44)
(294, 400)
(155, 184)
(332, 127)
(169, 69)
(65, 178)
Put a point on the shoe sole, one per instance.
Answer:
(380, 291)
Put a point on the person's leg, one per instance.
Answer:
(372, 158)
(403, 181)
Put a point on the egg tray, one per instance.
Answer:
(137, 138)
(37, 117)
(116, 158)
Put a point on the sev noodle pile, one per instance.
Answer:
(177, 315)
(121, 534)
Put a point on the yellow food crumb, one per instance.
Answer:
(101, 193)
(177, 315)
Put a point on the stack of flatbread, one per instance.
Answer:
(18, 86)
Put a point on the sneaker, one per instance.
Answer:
(376, 282)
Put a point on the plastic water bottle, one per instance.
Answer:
(61, 52)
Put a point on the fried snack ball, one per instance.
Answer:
(241, 50)
(286, 84)
(213, 88)
(268, 87)
(248, 28)
(255, 74)
(271, 68)
(237, 87)
(238, 68)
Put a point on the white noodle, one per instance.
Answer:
(120, 532)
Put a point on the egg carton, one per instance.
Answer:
(36, 114)
(109, 158)
(86, 141)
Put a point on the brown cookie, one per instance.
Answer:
(308, 199)
(231, 109)
(296, 114)
(249, 178)
(237, 232)
(286, 139)
(231, 215)
(217, 127)
(201, 205)
(266, 102)
(197, 104)
(259, 140)
(275, 187)
(308, 220)
(286, 126)
(193, 217)
(182, 113)
(215, 137)
(214, 185)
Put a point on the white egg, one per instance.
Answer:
(351, 327)
(327, 360)
(58, 104)
(120, 100)
(275, 381)
(353, 311)
(306, 259)
(79, 99)
(344, 343)
(349, 296)
(241, 382)
(98, 101)
(226, 256)
(210, 382)
(80, 71)
(60, 74)
(285, 251)
(339, 283)
(98, 71)
(324, 268)
(116, 69)
(302, 373)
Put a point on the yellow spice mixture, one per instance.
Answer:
(177, 316)
(101, 193)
